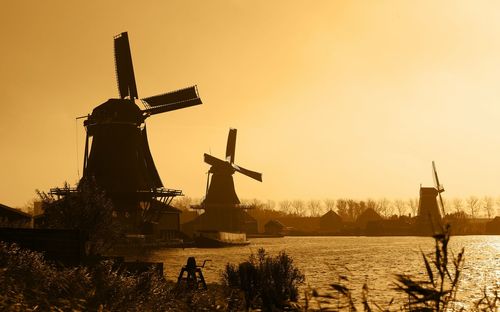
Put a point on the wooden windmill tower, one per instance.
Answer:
(223, 211)
(117, 153)
(429, 220)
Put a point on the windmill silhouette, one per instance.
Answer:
(223, 211)
(429, 220)
(117, 154)
(220, 190)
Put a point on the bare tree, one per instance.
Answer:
(329, 204)
(256, 204)
(458, 204)
(473, 205)
(182, 202)
(400, 206)
(270, 204)
(413, 205)
(314, 207)
(488, 206)
(298, 207)
(497, 202)
(285, 206)
(342, 209)
(370, 203)
(446, 206)
(385, 207)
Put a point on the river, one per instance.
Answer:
(375, 260)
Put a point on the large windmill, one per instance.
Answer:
(117, 153)
(223, 211)
(429, 216)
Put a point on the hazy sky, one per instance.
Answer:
(330, 98)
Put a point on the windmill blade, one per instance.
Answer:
(124, 68)
(172, 106)
(438, 186)
(213, 161)
(442, 204)
(249, 173)
(181, 95)
(231, 145)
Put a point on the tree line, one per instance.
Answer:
(350, 209)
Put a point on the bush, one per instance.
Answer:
(29, 283)
(88, 210)
(268, 282)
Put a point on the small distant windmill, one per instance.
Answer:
(117, 154)
(429, 216)
(220, 189)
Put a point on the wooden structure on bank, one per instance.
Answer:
(117, 153)
(222, 208)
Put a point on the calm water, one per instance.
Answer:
(374, 259)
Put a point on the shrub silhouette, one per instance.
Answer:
(88, 209)
(268, 282)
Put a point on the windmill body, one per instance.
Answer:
(117, 154)
(221, 191)
(222, 209)
(119, 158)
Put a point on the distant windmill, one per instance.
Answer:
(223, 211)
(117, 153)
(220, 189)
(429, 217)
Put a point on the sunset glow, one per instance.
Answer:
(331, 99)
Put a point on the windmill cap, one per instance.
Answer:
(116, 111)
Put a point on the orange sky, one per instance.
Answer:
(330, 98)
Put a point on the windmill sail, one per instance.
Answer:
(438, 187)
(249, 173)
(172, 106)
(231, 145)
(213, 161)
(124, 68)
(182, 95)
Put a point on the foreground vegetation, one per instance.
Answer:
(263, 282)
(29, 283)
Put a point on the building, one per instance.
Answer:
(274, 227)
(330, 222)
(493, 227)
(369, 215)
(10, 217)
(163, 221)
(223, 219)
